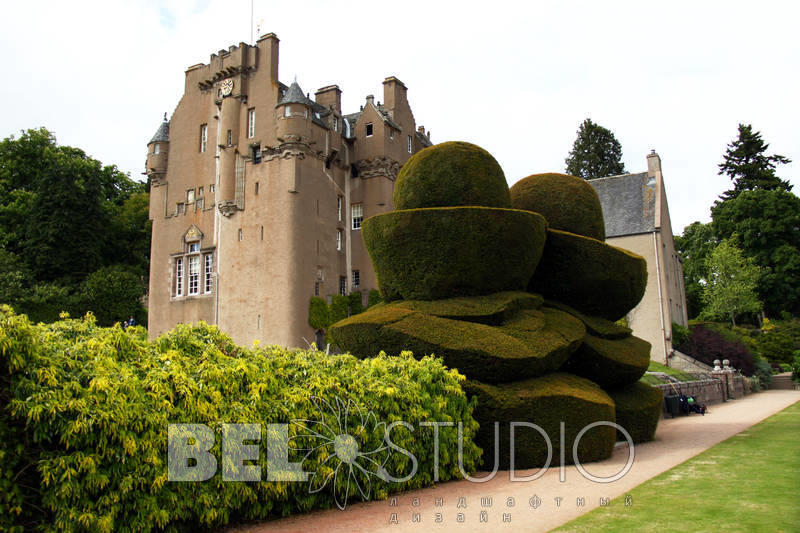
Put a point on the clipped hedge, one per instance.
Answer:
(451, 174)
(568, 203)
(610, 363)
(530, 344)
(492, 309)
(638, 408)
(546, 401)
(318, 313)
(600, 327)
(86, 412)
(593, 277)
(430, 254)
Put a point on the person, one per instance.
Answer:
(131, 321)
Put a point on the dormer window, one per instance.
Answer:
(369, 129)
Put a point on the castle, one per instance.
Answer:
(258, 194)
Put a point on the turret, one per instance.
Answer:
(294, 115)
(157, 154)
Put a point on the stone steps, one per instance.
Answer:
(782, 381)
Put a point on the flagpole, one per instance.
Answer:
(251, 21)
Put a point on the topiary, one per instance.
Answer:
(638, 410)
(339, 308)
(595, 325)
(610, 363)
(451, 174)
(546, 401)
(374, 297)
(355, 302)
(568, 203)
(428, 254)
(318, 313)
(593, 277)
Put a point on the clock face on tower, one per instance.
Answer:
(226, 86)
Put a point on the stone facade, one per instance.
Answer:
(637, 218)
(257, 193)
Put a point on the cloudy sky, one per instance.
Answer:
(515, 78)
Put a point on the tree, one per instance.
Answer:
(748, 166)
(732, 282)
(694, 247)
(765, 225)
(596, 153)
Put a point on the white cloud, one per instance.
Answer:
(515, 78)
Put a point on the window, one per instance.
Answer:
(339, 240)
(200, 203)
(203, 137)
(240, 234)
(391, 134)
(208, 272)
(357, 215)
(230, 138)
(356, 279)
(180, 209)
(179, 276)
(343, 285)
(189, 196)
(157, 149)
(339, 208)
(369, 129)
(251, 123)
(194, 274)
(211, 188)
(287, 111)
(335, 124)
(199, 191)
(410, 144)
(316, 288)
(256, 188)
(194, 247)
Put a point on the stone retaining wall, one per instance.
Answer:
(722, 387)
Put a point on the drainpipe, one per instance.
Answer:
(217, 217)
(660, 298)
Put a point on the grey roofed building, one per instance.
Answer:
(162, 134)
(629, 203)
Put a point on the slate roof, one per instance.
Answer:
(294, 95)
(629, 203)
(423, 139)
(162, 134)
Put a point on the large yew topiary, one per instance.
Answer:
(593, 277)
(610, 363)
(638, 408)
(450, 174)
(600, 327)
(546, 401)
(568, 203)
(428, 254)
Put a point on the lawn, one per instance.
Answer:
(674, 372)
(749, 482)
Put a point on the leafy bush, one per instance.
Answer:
(85, 413)
(680, 334)
(763, 371)
(374, 298)
(706, 344)
(340, 308)
(113, 294)
(568, 203)
(318, 313)
(778, 340)
(796, 366)
(355, 303)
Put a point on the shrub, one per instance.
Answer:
(593, 277)
(763, 372)
(113, 294)
(568, 203)
(355, 303)
(339, 309)
(529, 344)
(705, 344)
(610, 363)
(429, 254)
(85, 414)
(595, 325)
(374, 298)
(492, 309)
(796, 366)
(546, 401)
(638, 410)
(318, 313)
(451, 174)
(680, 334)
(778, 341)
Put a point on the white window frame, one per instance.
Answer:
(287, 111)
(356, 279)
(343, 285)
(208, 272)
(357, 215)
(203, 137)
(193, 275)
(369, 129)
(410, 145)
(339, 240)
(339, 203)
(156, 149)
(189, 196)
(251, 122)
(179, 277)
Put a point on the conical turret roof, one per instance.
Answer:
(162, 134)
(294, 95)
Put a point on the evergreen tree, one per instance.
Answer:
(596, 153)
(748, 165)
(732, 282)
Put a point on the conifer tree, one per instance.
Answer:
(748, 165)
(596, 153)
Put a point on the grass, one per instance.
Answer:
(674, 372)
(746, 483)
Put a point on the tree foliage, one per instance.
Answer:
(694, 248)
(596, 153)
(731, 284)
(63, 217)
(749, 167)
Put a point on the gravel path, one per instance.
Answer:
(547, 502)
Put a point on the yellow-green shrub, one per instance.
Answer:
(88, 411)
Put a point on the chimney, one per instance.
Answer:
(653, 163)
(371, 99)
(268, 46)
(331, 97)
(394, 93)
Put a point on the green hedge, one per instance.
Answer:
(568, 203)
(85, 413)
(355, 302)
(451, 174)
(430, 254)
(339, 308)
(318, 313)
(591, 276)
(491, 309)
(545, 401)
(530, 344)
(611, 363)
(595, 325)
(638, 408)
